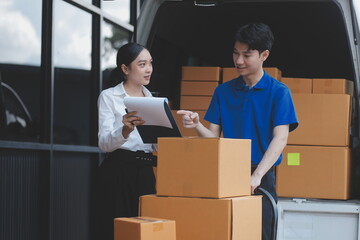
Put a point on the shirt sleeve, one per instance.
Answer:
(109, 137)
(284, 110)
(213, 113)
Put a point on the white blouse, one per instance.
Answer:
(111, 110)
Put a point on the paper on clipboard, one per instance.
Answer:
(159, 121)
(151, 110)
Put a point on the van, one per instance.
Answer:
(313, 39)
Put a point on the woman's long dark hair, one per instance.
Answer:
(125, 55)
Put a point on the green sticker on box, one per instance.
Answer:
(293, 159)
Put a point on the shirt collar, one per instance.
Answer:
(263, 83)
(120, 90)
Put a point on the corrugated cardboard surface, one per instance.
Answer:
(274, 72)
(200, 73)
(230, 73)
(194, 102)
(144, 228)
(188, 132)
(298, 85)
(203, 167)
(208, 219)
(333, 86)
(196, 88)
(324, 120)
(320, 172)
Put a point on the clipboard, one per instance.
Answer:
(155, 111)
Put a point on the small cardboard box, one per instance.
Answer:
(203, 219)
(230, 73)
(333, 86)
(324, 120)
(144, 228)
(196, 88)
(314, 172)
(194, 102)
(200, 73)
(188, 132)
(298, 85)
(203, 167)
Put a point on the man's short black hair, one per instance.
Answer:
(258, 36)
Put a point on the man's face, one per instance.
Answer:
(246, 61)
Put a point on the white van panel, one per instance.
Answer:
(302, 219)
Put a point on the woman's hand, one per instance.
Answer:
(130, 121)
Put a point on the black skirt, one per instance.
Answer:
(121, 179)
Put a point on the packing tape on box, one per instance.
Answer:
(148, 220)
(293, 159)
(158, 227)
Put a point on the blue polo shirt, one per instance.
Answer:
(252, 113)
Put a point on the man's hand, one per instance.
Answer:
(255, 182)
(190, 119)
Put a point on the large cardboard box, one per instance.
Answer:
(144, 228)
(230, 73)
(194, 102)
(314, 172)
(203, 167)
(324, 120)
(188, 132)
(208, 219)
(333, 86)
(200, 73)
(196, 88)
(298, 85)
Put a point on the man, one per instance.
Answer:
(252, 106)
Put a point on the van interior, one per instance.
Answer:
(310, 39)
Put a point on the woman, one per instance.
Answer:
(126, 173)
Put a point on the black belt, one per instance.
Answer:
(138, 157)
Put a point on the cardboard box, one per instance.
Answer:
(200, 73)
(204, 219)
(314, 172)
(188, 132)
(333, 86)
(194, 102)
(324, 120)
(195, 88)
(144, 228)
(274, 72)
(230, 73)
(298, 85)
(203, 167)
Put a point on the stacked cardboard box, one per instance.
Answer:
(298, 85)
(230, 73)
(316, 161)
(197, 87)
(204, 185)
(144, 228)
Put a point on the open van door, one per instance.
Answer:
(313, 39)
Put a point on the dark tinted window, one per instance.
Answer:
(20, 47)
